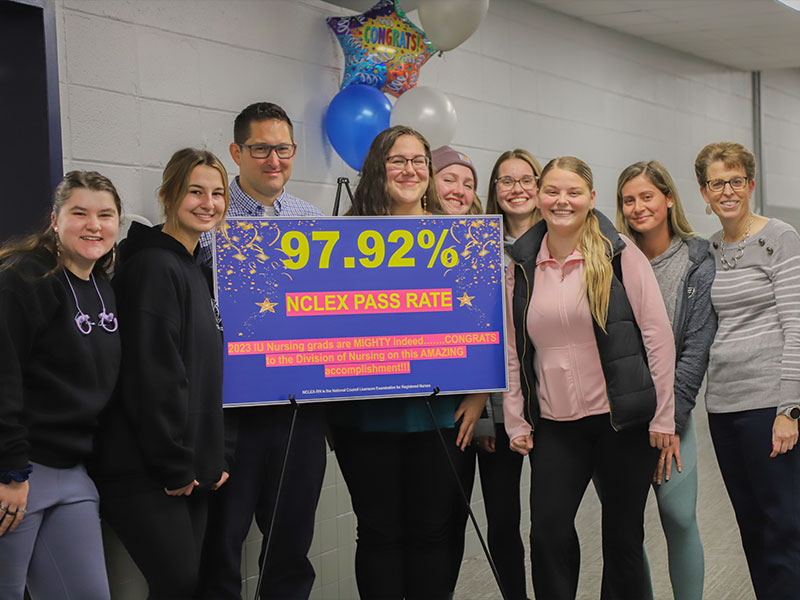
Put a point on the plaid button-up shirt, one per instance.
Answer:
(244, 205)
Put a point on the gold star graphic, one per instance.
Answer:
(465, 300)
(266, 305)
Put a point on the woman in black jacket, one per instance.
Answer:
(60, 353)
(161, 445)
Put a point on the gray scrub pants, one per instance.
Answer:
(57, 550)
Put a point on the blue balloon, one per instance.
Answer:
(355, 116)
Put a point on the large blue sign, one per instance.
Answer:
(343, 308)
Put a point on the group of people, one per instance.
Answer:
(111, 393)
(110, 390)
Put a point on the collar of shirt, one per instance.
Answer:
(244, 205)
(545, 256)
(286, 205)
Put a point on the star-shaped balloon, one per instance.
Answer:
(382, 48)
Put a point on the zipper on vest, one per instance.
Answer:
(611, 418)
(524, 324)
(608, 398)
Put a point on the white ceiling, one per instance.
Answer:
(746, 34)
(363, 5)
(751, 35)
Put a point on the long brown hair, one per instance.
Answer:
(657, 174)
(371, 197)
(596, 247)
(175, 180)
(492, 205)
(47, 239)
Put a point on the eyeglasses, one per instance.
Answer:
(717, 185)
(398, 162)
(264, 150)
(507, 183)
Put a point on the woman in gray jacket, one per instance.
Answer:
(649, 212)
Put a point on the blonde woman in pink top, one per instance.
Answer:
(591, 364)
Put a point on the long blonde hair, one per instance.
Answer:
(596, 247)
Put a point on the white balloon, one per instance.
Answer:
(429, 111)
(449, 23)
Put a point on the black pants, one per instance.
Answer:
(404, 497)
(252, 489)
(500, 473)
(163, 534)
(565, 456)
(765, 493)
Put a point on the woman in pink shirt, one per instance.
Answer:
(591, 365)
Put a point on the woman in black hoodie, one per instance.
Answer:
(160, 449)
(60, 352)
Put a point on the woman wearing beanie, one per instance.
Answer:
(456, 181)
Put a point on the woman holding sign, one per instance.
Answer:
(591, 367)
(403, 490)
(160, 448)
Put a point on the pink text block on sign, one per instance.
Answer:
(467, 338)
(361, 369)
(296, 359)
(313, 304)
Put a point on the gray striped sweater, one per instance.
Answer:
(755, 357)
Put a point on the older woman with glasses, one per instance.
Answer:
(753, 393)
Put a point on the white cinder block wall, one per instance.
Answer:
(140, 79)
(780, 101)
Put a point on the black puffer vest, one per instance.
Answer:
(629, 386)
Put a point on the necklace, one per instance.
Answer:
(730, 264)
(82, 321)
